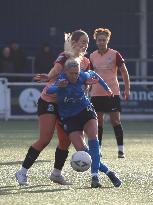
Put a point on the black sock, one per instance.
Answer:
(100, 134)
(60, 158)
(119, 134)
(30, 157)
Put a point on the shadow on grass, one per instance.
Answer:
(110, 187)
(14, 190)
(20, 162)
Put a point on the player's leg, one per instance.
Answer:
(79, 144)
(118, 130)
(77, 140)
(100, 116)
(47, 126)
(116, 123)
(112, 175)
(90, 130)
(74, 127)
(47, 121)
(100, 105)
(61, 155)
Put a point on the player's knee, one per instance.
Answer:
(40, 145)
(44, 142)
(115, 122)
(64, 145)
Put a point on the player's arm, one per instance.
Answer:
(55, 71)
(60, 83)
(126, 80)
(94, 75)
(52, 89)
(53, 74)
(121, 65)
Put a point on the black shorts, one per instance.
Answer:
(77, 122)
(46, 107)
(106, 103)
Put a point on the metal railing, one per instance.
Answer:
(134, 64)
(24, 94)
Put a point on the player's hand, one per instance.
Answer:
(110, 93)
(43, 77)
(62, 83)
(91, 81)
(126, 94)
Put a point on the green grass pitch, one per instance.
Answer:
(135, 171)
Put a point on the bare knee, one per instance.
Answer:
(115, 118)
(115, 122)
(64, 145)
(41, 143)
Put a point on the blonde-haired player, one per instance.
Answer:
(76, 46)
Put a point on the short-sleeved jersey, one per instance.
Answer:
(71, 99)
(85, 65)
(106, 66)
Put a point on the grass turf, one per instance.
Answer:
(135, 171)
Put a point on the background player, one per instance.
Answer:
(106, 62)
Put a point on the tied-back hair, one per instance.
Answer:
(68, 50)
(69, 39)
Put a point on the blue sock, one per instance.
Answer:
(103, 168)
(94, 153)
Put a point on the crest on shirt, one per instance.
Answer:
(50, 108)
(65, 127)
(109, 59)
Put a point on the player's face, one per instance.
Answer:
(81, 45)
(102, 42)
(72, 74)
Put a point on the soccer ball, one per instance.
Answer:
(80, 161)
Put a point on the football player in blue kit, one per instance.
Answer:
(77, 114)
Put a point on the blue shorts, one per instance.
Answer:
(77, 122)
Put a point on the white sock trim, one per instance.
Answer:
(107, 172)
(56, 172)
(23, 170)
(121, 148)
(94, 174)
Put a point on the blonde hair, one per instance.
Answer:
(69, 39)
(68, 50)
